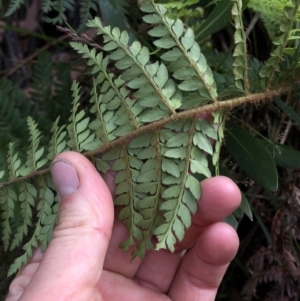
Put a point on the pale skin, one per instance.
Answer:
(84, 263)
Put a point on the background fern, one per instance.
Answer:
(55, 11)
(271, 13)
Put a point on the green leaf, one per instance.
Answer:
(122, 200)
(178, 28)
(206, 128)
(152, 19)
(172, 55)
(190, 85)
(146, 177)
(169, 205)
(141, 141)
(147, 153)
(124, 63)
(231, 221)
(153, 115)
(188, 39)
(150, 101)
(158, 31)
(137, 82)
(170, 167)
(245, 207)
(171, 240)
(171, 192)
(185, 215)
(288, 110)
(117, 55)
(110, 46)
(179, 152)
(144, 56)
(198, 167)
(115, 17)
(283, 156)
(251, 156)
(193, 185)
(161, 76)
(184, 73)
(152, 68)
(202, 142)
(165, 42)
(190, 201)
(147, 8)
(218, 19)
(178, 230)
(135, 48)
(179, 139)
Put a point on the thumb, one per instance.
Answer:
(73, 261)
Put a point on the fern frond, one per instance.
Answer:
(13, 162)
(145, 124)
(47, 212)
(148, 77)
(85, 12)
(27, 196)
(14, 106)
(176, 196)
(268, 71)
(20, 261)
(58, 142)
(240, 65)
(34, 153)
(60, 7)
(42, 79)
(271, 13)
(146, 157)
(7, 204)
(151, 80)
(80, 135)
(62, 94)
(98, 125)
(219, 120)
(46, 219)
(188, 64)
(13, 6)
(125, 195)
(46, 5)
(112, 105)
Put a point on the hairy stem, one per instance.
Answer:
(225, 105)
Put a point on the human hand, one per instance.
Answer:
(84, 263)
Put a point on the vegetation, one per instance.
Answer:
(146, 99)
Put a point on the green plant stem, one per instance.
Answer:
(190, 113)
